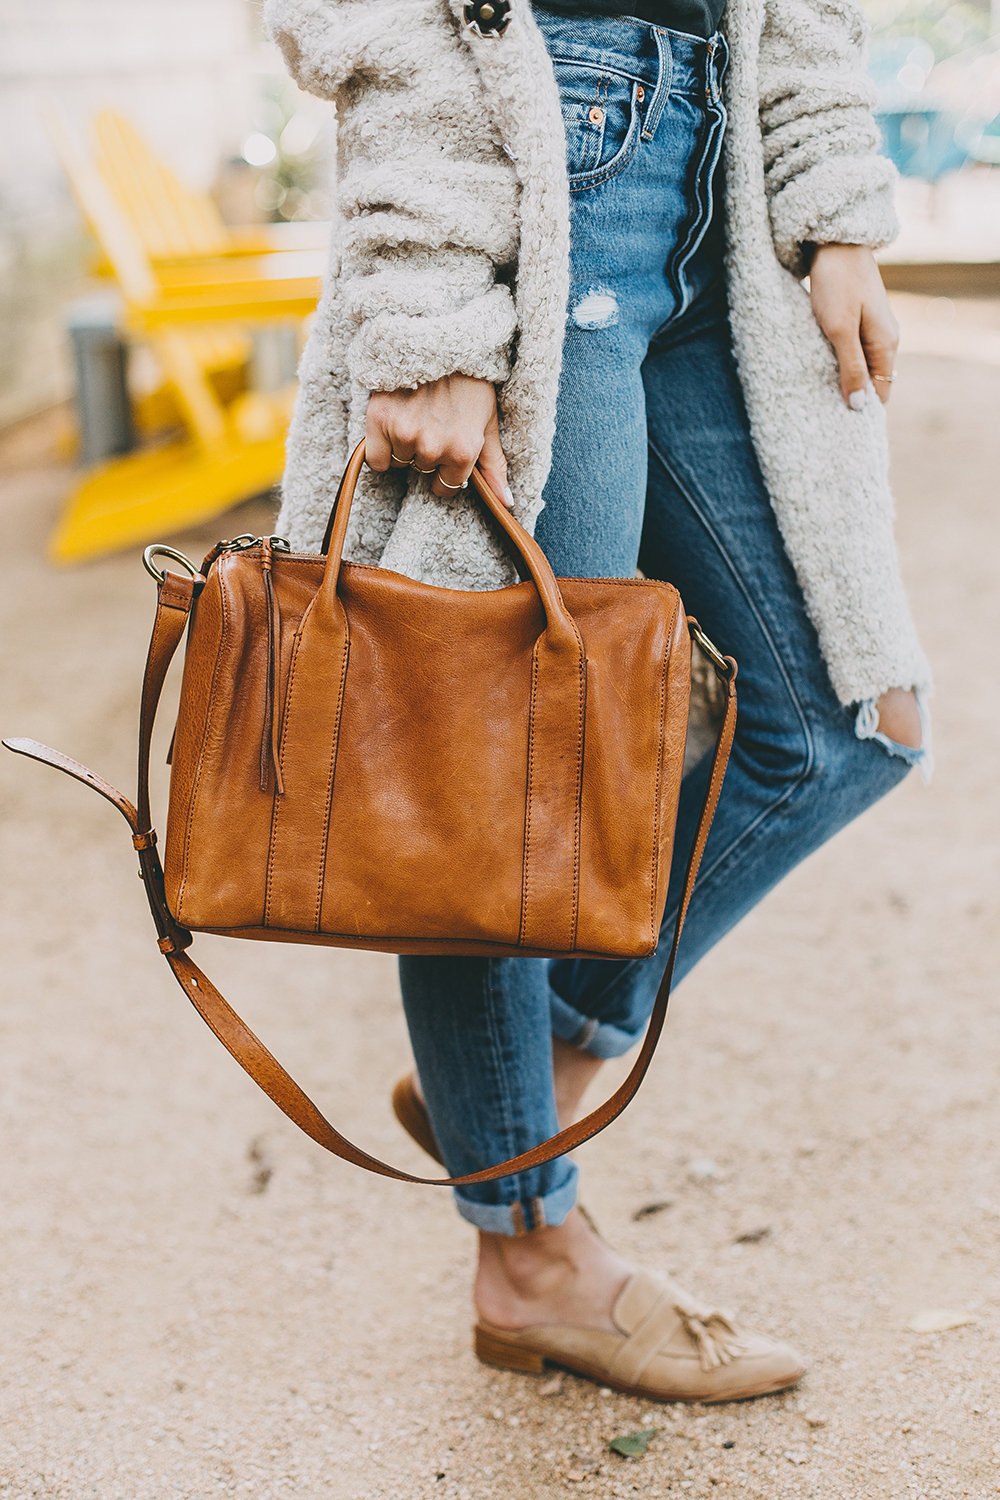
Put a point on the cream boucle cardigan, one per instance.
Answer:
(451, 254)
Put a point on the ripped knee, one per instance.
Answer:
(900, 723)
(899, 717)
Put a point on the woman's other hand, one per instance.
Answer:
(851, 307)
(448, 426)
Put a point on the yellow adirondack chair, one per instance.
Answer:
(185, 306)
(172, 221)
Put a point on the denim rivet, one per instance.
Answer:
(640, 93)
(596, 115)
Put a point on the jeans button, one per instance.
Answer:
(596, 115)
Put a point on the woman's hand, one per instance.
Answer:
(449, 426)
(851, 307)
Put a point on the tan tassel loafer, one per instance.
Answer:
(669, 1347)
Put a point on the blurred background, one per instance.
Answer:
(164, 209)
(194, 1301)
(160, 169)
(210, 97)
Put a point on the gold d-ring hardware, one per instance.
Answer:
(157, 550)
(712, 651)
(247, 540)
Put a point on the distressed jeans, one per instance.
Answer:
(653, 466)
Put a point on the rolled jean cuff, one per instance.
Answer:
(599, 1038)
(515, 1219)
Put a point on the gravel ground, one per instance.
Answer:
(197, 1302)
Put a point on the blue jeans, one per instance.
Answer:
(653, 465)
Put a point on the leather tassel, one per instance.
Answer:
(269, 734)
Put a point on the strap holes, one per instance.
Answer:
(194, 984)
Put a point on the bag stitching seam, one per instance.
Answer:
(275, 799)
(655, 871)
(220, 577)
(333, 774)
(526, 863)
(582, 724)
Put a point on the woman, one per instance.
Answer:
(629, 346)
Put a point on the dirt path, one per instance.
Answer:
(197, 1302)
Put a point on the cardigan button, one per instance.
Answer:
(487, 17)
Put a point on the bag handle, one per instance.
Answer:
(560, 625)
(557, 719)
(175, 598)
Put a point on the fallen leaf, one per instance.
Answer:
(752, 1236)
(938, 1320)
(552, 1387)
(634, 1444)
(649, 1209)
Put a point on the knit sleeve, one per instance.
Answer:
(427, 202)
(825, 178)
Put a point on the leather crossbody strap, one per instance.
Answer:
(175, 598)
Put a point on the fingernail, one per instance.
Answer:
(508, 495)
(856, 400)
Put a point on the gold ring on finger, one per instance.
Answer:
(445, 485)
(404, 463)
(415, 465)
(887, 378)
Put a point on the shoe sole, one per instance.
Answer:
(411, 1112)
(495, 1351)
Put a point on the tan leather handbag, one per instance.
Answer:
(367, 762)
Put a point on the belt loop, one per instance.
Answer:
(662, 90)
(718, 58)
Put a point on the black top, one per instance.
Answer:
(696, 17)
